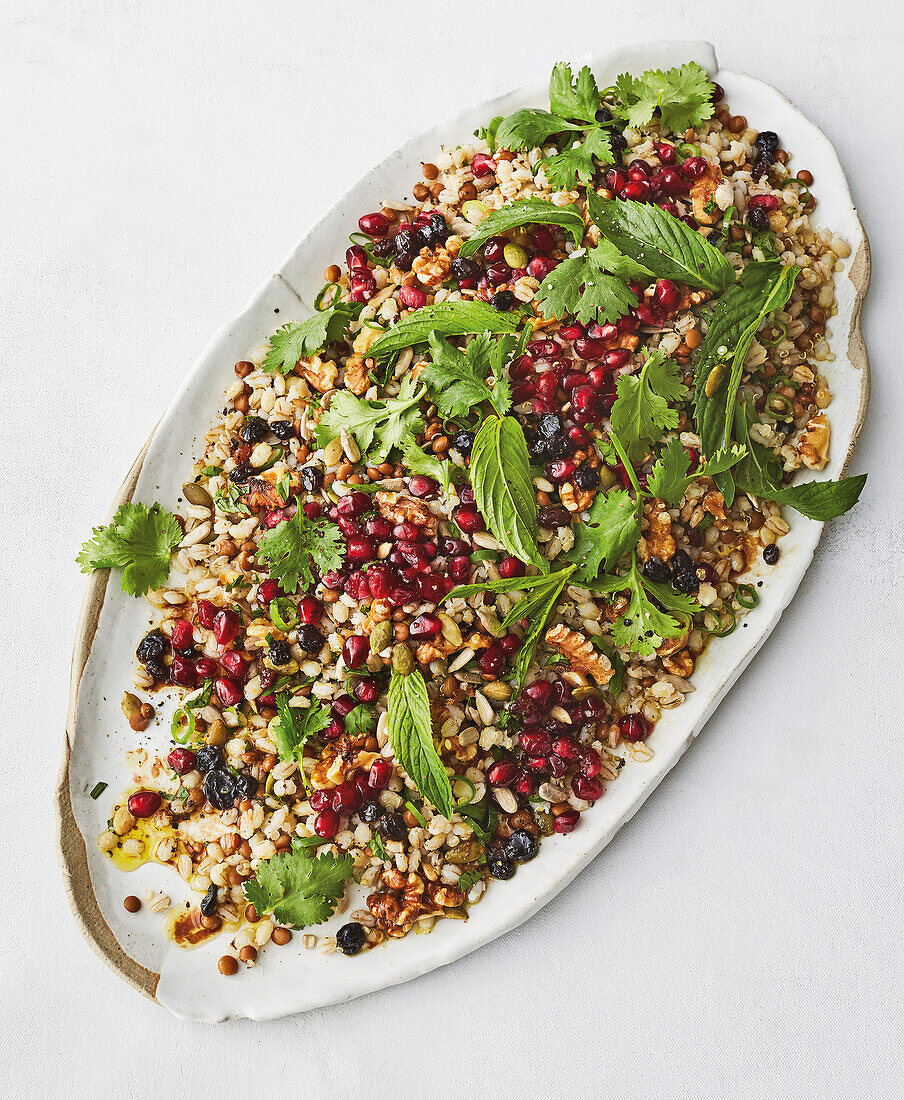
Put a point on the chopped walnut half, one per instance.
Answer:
(672, 645)
(357, 377)
(575, 500)
(580, 653)
(399, 509)
(274, 476)
(714, 503)
(320, 373)
(338, 760)
(432, 266)
(657, 541)
(703, 194)
(814, 442)
(400, 902)
(681, 664)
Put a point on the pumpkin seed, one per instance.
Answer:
(402, 660)
(465, 853)
(197, 494)
(131, 705)
(380, 636)
(217, 733)
(715, 379)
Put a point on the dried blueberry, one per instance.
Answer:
(158, 670)
(279, 654)
(465, 269)
(240, 474)
(758, 219)
(537, 448)
(684, 574)
(585, 477)
(152, 645)
(503, 300)
(500, 867)
(245, 786)
(309, 638)
(549, 425)
(370, 813)
(618, 142)
(311, 478)
(384, 248)
(657, 571)
(283, 429)
(766, 145)
(392, 827)
(463, 442)
(350, 938)
(253, 430)
(209, 902)
(208, 757)
(521, 846)
(219, 788)
(770, 554)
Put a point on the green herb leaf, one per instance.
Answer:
(445, 319)
(525, 212)
(296, 726)
(298, 889)
(579, 161)
(442, 470)
(140, 541)
(467, 880)
(377, 426)
(536, 608)
(457, 382)
(410, 730)
(291, 548)
(573, 98)
(503, 490)
(641, 411)
(683, 97)
(662, 243)
(643, 627)
(580, 286)
(361, 719)
(488, 133)
(376, 846)
(669, 479)
(531, 128)
(301, 339)
(612, 528)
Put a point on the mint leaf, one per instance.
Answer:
(361, 719)
(292, 548)
(503, 490)
(661, 242)
(301, 339)
(641, 412)
(410, 730)
(682, 96)
(612, 528)
(445, 319)
(140, 541)
(525, 212)
(377, 426)
(531, 128)
(458, 382)
(572, 98)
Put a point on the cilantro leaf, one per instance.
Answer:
(299, 890)
(669, 479)
(531, 128)
(613, 527)
(643, 627)
(579, 161)
(361, 719)
(572, 98)
(140, 541)
(410, 729)
(682, 96)
(641, 412)
(301, 339)
(296, 726)
(292, 548)
(457, 381)
(442, 470)
(380, 425)
(581, 286)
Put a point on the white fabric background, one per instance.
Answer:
(740, 937)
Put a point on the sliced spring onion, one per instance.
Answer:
(182, 734)
(465, 801)
(284, 613)
(321, 302)
(278, 452)
(723, 630)
(778, 339)
(97, 790)
(779, 406)
(803, 188)
(747, 596)
(308, 842)
(686, 150)
(361, 239)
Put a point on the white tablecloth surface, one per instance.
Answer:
(741, 936)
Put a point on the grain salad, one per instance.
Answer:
(458, 541)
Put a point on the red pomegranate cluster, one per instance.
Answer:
(641, 182)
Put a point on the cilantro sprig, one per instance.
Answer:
(300, 890)
(294, 548)
(642, 410)
(590, 286)
(140, 541)
(295, 727)
(458, 382)
(301, 339)
(682, 97)
(377, 426)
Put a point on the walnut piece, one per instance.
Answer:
(338, 760)
(399, 509)
(575, 500)
(261, 495)
(320, 373)
(580, 653)
(814, 442)
(681, 664)
(432, 266)
(357, 378)
(703, 194)
(657, 541)
(394, 914)
(714, 503)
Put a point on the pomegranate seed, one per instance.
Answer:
(229, 694)
(540, 266)
(638, 190)
(539, 692)
(144, 803)
(590, 763)
(571, 332)
(494, 250)
(320, 800)
(690, 220)
(590, 789)
(182, 635)
(310, 610)
(584, 400)
(468, 519)
(510, 643)
(616, 178)
(587, 348)
(566, 822)
(693, 168)
(561, 469)
(671, 181)
(355, 650)
(225, 626)
(482, 165)
(647, 315)
(617, 357)
(273, 517)
(205, 668)
(355, 257)
(335, 729)
(567, 748)
(557, 766)
(718, 93)
(511, 567)
(374, 225)
(421, 487)
(425, 626)
(665, 151)
(542, 349)
(525, 786)
(182, 672)
(539, 765)
(181, 761)
(542, 239)
(207, 612)
(503, 773)
(326, 824)
(669, 208)
(578, 435)
(459, 569)
(345, 797)
(536, 744)
(361, 549)
(267, 591)
(353, 504)
(639, 169)
(412, 297)
(666, 295)
(312, 509)
(432, 589)
(599, 376)
(634, 727)
(233, 664)
(380, 774)
(763, 202)
(366, 690)
(362, 285)
(351, 528)
(491, 661)
(499, 274)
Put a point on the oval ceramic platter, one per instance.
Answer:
(187, 982)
